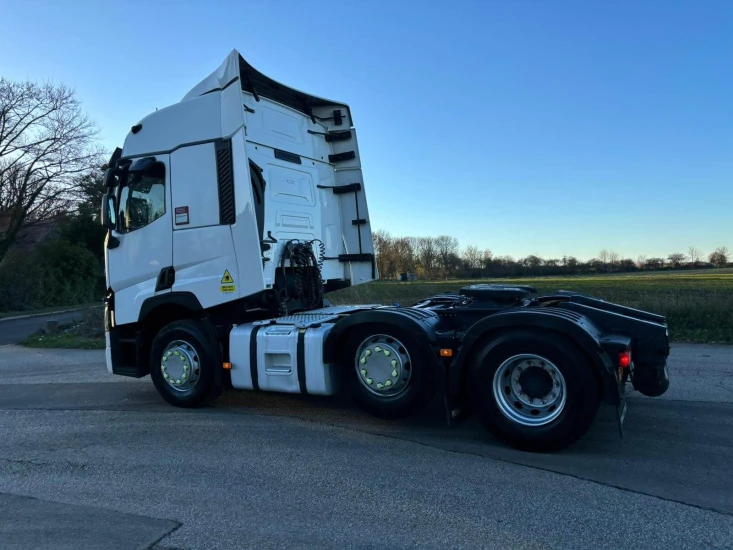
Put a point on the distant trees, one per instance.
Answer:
(694, 255)
(443, 257)
(720, 257)
(676, 259)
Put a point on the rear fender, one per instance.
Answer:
(563, 323)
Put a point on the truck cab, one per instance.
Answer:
(206, 193)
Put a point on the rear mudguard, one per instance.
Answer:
(598, 347)
(648, 331)
(420, 323)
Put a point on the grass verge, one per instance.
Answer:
(88, 333)
(64, 341)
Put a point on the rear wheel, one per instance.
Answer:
(535, 391)
(388, 373)
(182, 364)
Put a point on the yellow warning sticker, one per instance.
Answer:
(227, 283)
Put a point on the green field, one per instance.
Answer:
(698, 304)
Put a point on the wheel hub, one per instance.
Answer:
(535, 382)
(180, 366)
(529, 390)
(383, 366)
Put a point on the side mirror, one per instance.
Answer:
(109, 209)
(109, 177)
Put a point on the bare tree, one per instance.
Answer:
(487, 256)
(427, 254)
(695, 255)
(531, 261)
(676, 259)
(46, 144)
(471, 257)
(447, 248)
(382, 240)
(603, 256)
(720, 257)
(641, 261)
(614, 258)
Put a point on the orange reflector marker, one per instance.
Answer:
(624, 359)
(445, 352)
(227, 366)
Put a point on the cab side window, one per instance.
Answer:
(142, 199)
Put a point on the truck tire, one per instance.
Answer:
(182, 364)
(387, 372)
(535, 391)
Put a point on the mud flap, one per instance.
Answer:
(622, 405)
(621, 415)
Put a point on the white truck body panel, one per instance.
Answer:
(192, 168)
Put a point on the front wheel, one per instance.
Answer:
(536, 391)
(182, 364)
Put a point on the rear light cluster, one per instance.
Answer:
(624, 359)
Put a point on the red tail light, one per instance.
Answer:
(624, 359)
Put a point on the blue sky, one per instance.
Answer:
(524, 126)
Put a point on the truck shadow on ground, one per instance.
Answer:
(428, 427)
(661, 439)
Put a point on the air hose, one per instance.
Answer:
(306, 268)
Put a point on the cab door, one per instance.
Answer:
(139, 249)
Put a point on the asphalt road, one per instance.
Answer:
(91, 461)
(13, 331)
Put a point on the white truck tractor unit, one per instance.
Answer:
(233, 213)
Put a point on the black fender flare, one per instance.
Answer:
(420, 324)
(185, 300)
(576, 327)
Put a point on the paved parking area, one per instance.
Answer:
(85, 457)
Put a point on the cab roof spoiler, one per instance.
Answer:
(236, 69)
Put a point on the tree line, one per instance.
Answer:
(443, 257)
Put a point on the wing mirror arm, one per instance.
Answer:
(109, 220)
